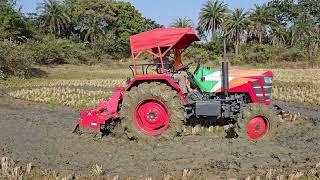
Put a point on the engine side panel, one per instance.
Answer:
(240, 81)
(208, 108)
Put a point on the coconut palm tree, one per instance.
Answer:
(182, 23)
(212, 16)
(279, 35)
(305, 33)
(53, 15)
(92, 28)
(261, 19)
(236, 25)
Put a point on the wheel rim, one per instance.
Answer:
(257, 127)
(152, 117)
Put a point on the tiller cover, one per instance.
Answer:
(90, 120)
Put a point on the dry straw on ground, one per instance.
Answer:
(297, 85)
(62, 96)
(102, 83)
(10, 170)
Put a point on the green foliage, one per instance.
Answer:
(212, 15)
(12, 24)
(51, 50)
(256, 54)
(151, 24)
(103, 9)
(195, 54)
(15, 59)
(310, 7)
(182, 23)
(129, 21)
(288, 55)
(216, 46)
(305, 31)
(236, 24)
(260, 20)
(285, 11)
(53, 15)
(93, 17)
(92, 31)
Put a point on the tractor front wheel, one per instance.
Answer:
(152, 111)
(257, 122)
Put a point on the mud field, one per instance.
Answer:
(41, 134)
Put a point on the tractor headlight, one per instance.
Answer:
(268, 79)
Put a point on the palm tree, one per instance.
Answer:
(279, 35)
(92, 28)
(261, 18)
(182, 23)
(212, 16)
(54, 16)
(305, 33)
(236, 25)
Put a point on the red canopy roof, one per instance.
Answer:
(176, 38)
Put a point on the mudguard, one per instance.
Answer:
(163, 78)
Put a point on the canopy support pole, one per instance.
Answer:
(135, 62)
(161, 60)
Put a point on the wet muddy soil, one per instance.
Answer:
(41, 134)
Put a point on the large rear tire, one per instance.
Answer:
(257, 123)
(152, 111)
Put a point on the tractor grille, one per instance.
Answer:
(266, 92)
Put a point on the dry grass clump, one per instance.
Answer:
(61, 96)
(216, 131)
(297, 85)
(9, 169)
(313, 173)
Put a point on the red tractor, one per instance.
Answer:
(163, 97)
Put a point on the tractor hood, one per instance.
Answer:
(211, 80)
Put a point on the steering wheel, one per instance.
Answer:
(185, 67)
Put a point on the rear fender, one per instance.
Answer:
(163, 78)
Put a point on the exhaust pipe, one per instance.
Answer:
(225, 69)
(225, 77)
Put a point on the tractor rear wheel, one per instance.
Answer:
(257, 122)
(152, 111)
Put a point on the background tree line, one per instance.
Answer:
(68, 31)
(281, 30)
(92, 31)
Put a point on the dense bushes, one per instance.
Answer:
(59, 51)
(289, 55)
(266, 55)
(254, 54)
(14, 59)
(200, 54)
